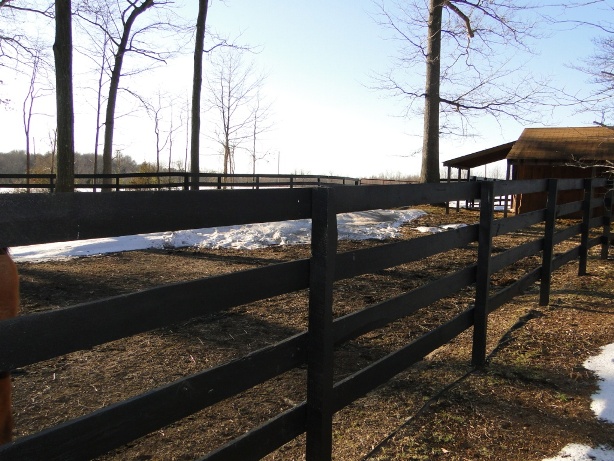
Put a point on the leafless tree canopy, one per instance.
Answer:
(479, 72)
(233, 88)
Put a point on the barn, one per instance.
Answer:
(539, 153)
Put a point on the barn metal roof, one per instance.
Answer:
(483, 157)
(563, 144)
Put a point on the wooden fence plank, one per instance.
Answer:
(509, 257)
(384, 369)
(375, 197)
(320, 356)
(569, 208)
(525, 186)
(514, 223)
(508, 293)
(381, 314)
(544, 289)
(259, 442)
(32, 338)
(607, 223)
(586, 217)
(370, 260)
(482, 283)
(72, 216)
(111, 427)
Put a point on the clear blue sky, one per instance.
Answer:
(319, 57)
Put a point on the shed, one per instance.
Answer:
(539, 153)
(572, 152)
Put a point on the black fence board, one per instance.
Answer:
(74, 216)
(564, 258)
(382, 370)
(369, 260)
(520, 286)
(567, 233)
(509, 257)
(379, 315)
(568, 208)
(32, 338)
(514, 223)
(375, 197)
(595, 241)
(596, 222)
(525, 186)
(259, 442)
(571, 184)
(115, 425)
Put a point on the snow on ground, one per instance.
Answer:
(603, 407)
(376, 224)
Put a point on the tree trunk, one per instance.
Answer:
(196, 91)
(62, 50)
(430, 147)
(107, 153)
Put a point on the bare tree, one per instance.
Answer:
(163, 127)
(197, 82)
(260, 124)
(124, 37)
(32, 94)
(599, 67)
(462, 45)
(233, 86)
(62, 49)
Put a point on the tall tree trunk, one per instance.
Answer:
(430, 146)
(107, 153)
(197, 84)
(62, 50)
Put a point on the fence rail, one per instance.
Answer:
(171, 181)
(39, 218)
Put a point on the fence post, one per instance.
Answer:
(51, 183)
(320, 352)
(586, 216)
(607, 223)
(482, 285)
(546, 276)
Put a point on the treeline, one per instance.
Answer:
(15, 162)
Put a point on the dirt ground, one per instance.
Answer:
(532, 399)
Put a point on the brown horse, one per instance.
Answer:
(9, 302)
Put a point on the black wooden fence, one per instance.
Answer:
(38, 218)
(171, 181)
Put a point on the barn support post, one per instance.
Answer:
(546, 275)
(586, 216)
(607, 223)
(320, 342)
(482, 284)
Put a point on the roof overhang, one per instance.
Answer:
(483, 157)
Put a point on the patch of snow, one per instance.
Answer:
(375, 224)
(434, 230)
(603, 407)
(577, 452)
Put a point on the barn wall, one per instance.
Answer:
(532, 202)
